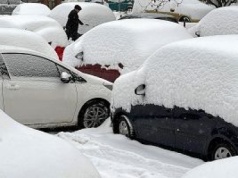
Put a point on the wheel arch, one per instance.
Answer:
(84, 107)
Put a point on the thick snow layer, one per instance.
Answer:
(26, 39)
(92, 14)
(46, 27)
(116, 156)
(220, 21)
(194, 9)
(31, 9)
(200, 73)
(128, 42)
(28, 153)
(217, 169)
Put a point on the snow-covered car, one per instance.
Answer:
(31, 9)
(220, 21)
(185, 10)
(184, 97)
(91, 14)
(44, 26)
(26, 39)
(28, 153)
(218, 169)
(42, 92)
(118, 47)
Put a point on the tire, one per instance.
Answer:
(223, 150)
(93, 114)
(124, 127)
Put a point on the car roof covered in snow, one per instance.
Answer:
(44, 26)
(128, 42)
(199, 73)
(31, 9)
(26, 39)
(220, 21)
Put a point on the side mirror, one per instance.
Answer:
(65, 77)
(140, 90)
(197, 33)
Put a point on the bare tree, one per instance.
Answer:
(220, 3)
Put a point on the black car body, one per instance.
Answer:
(189, 131)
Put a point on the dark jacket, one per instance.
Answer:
(72, 23)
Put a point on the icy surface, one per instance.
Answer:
(128, 42)
(26, 39)
(220, 21)
(46, 27)
(199, 73)
(91, 14)
(31, 9)
(30, 153)
(116, 156)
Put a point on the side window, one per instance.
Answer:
(27, 65)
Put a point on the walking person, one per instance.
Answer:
(72, 23)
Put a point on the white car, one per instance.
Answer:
(26, 39)
(28, 153)
(91, 14)
(42, 92)
(121, 46)
(220, 21)
(185, 10)
(44, 26)
(31, 9)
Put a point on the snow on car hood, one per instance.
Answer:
(128, 42)
(220, 21)
(200, 73)
(30, 153)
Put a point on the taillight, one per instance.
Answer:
(59, 50)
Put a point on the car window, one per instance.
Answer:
(26, 65)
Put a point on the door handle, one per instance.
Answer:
(13, 87)
(177, 130)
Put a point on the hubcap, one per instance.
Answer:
(95, 116)
(123, 128)
(222, 152)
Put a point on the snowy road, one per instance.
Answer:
(116, 156)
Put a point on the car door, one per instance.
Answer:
(193, 129)
(34, 93)
(155, 124)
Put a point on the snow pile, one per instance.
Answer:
(46, 27)
(128, 42)
(194, 9)
(31, 9)
(217, 169)
(26, 39)
(200, 73)
(92, 14)
(29, 153)
(220, 21)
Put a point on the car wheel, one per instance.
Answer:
(223, 150)
(125, 127)
(93, 114)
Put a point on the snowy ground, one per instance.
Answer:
(116, 156)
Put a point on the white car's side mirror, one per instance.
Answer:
(65, 77)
